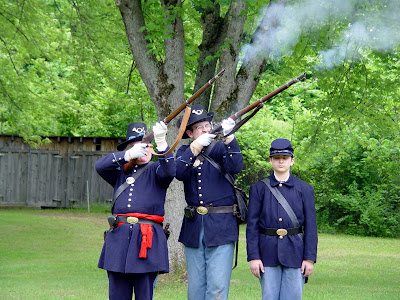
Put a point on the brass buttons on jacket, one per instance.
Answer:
(130, 180)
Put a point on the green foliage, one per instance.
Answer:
(156, 28)
(357, 184)
(66, 69)
(351, 148)
(254, 139)
(346, 141)
(360, 212)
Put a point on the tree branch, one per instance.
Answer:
(147, 64)
(164, 81)
(213, 35)
(172, 95)
(250, 71)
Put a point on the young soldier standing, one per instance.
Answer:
(281, 228)
(135, 249)
(209, 228)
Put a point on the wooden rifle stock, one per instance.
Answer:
(245, 110)
(193, 97)
(150, 135)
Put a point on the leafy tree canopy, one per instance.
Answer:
(67, 69)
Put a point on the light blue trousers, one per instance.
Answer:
(209, 270)
(281, 283)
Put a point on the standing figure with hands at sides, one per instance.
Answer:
(281, 228)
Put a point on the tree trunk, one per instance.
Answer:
(165, 84)
(175, 202)
(164, 79)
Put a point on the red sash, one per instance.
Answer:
(146, 229)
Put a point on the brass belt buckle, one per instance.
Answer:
(281, 232)
(202, 210)
(132, 220)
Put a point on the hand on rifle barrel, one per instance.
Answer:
(227, 125)
(160, 132)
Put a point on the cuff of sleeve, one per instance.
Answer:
(233, 145)
(162, 147)
(229, 139)
(127, 157)
(253, 257)
(310, 260)
(196, 148)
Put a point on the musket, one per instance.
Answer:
(260, 102)
(150, 134)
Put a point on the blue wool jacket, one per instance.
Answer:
(265, 211)
(121, 248)
(205, 185)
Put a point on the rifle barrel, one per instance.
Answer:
(150, 134)
(240, 113)
(245, 110)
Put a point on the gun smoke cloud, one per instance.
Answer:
(281, 27)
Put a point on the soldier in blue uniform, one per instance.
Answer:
(209, 229)
(281, 238)
(135, 248)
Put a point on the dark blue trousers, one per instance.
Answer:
(121, 285)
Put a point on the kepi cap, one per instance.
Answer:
(135, 132)
(281, 147)
(197, 114)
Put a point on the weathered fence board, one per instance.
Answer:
(58, 174)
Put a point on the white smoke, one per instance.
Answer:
(378, 30)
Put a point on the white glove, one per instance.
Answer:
(227, 125)
(205, 139)
(138, 150)
(160, 131)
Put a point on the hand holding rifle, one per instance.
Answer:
(160, 128)
(227, 127)
(160, 133)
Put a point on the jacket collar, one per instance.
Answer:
(275, 182)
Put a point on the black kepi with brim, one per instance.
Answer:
(281, 147)
(197, 114)
(135, 132)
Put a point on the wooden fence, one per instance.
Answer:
(58, 174)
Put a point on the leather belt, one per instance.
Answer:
(134, 220)
(203, 210)
(281, 231)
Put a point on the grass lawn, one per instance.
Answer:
(52, 254)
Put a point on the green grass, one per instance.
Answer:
(52, 254)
